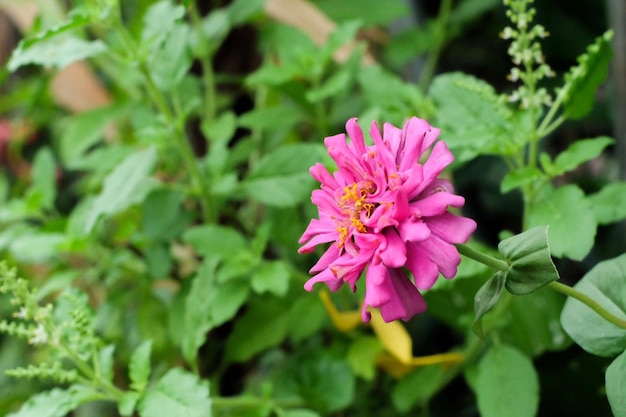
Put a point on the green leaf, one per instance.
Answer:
(264, 324)
(362, 355)
(300, 413)
(282, 178)
(241, 11)
(520, 177)
(127, 185)
(561, 209)
(139, 366)
(609, 204)
(416, 387)
(177, 394)
(604, 284)
(307, 316)
(322, 379)
(616, 385)
(159, 20)
(372, 12)
(487, 297)
(213, 240)
(105, 362)
(37, 247)
(163, 217)
(209, 304)
(57, 52)
(580, 151)
(83, 131)
(506, 384)
(272, 277)
(528, 255)
(42, 190)
(54, 403)
(333, 86)
(472, 116)
(271, 118)
(171, 62)
(126, 406)
(583, 80)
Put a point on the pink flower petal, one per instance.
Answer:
(393, 250)
(451, 228)
(406, 301)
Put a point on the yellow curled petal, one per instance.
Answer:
(344, 321)
(393, 337)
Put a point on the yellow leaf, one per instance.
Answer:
(344, 321)
(394, 338)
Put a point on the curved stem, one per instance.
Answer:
(589, 302)
(431, 63)
(490, 261)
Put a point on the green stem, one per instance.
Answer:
(431, 62)
(591, 303)
(490, 261)
(246, 401)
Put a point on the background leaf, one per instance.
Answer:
(176, 394)
(609, 204)
(582, 150)
(604, 284)
(616, 385)
(560, 209)
(506, 384)
(139, 366)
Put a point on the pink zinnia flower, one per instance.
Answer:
(386, 211)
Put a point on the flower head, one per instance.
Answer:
(386, 211)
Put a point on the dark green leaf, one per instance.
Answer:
(264, 324)
(486, 297)
(163, 217)
(580, 151)
(561, 209)
(530, 263)
(177, 394)
(416, 387)
(372, 12)
(139, 366)
(520, 177)
(616, 385)
(609, 204)
(583, 80)
(604, 284)
(506, 384)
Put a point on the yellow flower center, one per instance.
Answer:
(352, 204)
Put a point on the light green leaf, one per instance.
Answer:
(580, 151)
(506, 384)
(171, 62)
(177, 394)
(604, 284)
(54, 403)
(282, 178)
(307, 316)
(241, 11)
(487, 297)
(83, 131)
(126, 406)
(333, 86)
(561, 209)
(362, 355)
(271, 276)
(609, 204)
(159, 21)
(530, 264)
(271, 118)
(520, 177)
(300, 413)
(34, 248)
(105, 362)
(616, 385)
(416, 387)
(583, 80)
(139, 366)
(127, 185)
(56, 52)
